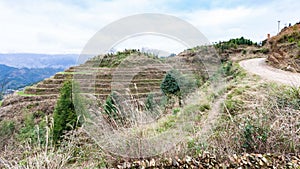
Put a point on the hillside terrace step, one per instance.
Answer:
(41, 91)
(144, 84)
(139, 95)
(156, 99)
(122, 85)
(120, 72)
(91, 89)
(45, 93)
(105, 81)
(121, 69)
(63, 76)
(42, 85)
(122, 90)
(164, 68)
(53, 81)
(108, 76)
(18, 99)
(128, 77)
(117, 72)
(134, 101)
(103, 85)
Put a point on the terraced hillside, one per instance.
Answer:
(99, 81)
(132, 74)
(139, 74)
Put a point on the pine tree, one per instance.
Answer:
(170, 85)
(65, 117)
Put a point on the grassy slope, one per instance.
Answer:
(256, 116)
(259, 117)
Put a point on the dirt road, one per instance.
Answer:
(259, 67)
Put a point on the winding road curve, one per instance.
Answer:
(259, 67)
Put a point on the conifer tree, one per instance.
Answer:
(65, 117)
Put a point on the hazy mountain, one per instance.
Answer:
(30, 60)
(14, 78)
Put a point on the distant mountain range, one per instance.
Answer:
(14, 78)
(18, 70)
(31, 60)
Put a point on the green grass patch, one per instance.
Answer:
(233, 106)
(66, 73)
(176, 110)
(166, 125)
(236, 92)
(76, 73)
(21, 93)
(33, 128)
(188, 110)
(288, 97)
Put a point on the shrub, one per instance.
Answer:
(291, 39)
(255, 137)
(244, 52)
(194, 147)
(263, 50)
(199, 80)
(232, 70)
(149, 103)
(289, 98)
(7, 128)
(175, 111)
(34, 133)
(27, 130)
(168, 124)
(114, 113)
(227, 68)
(233, 106)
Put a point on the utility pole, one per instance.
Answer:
(278, 26)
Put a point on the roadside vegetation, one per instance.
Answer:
(262, 117)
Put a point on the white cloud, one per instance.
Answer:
(253, 22)
(65, 26)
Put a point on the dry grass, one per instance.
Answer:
(257, 117)
(263, 123)
(77, 150)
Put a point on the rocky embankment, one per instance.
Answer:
(285, 49)
(207, 160)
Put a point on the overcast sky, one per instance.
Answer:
(64, 26)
